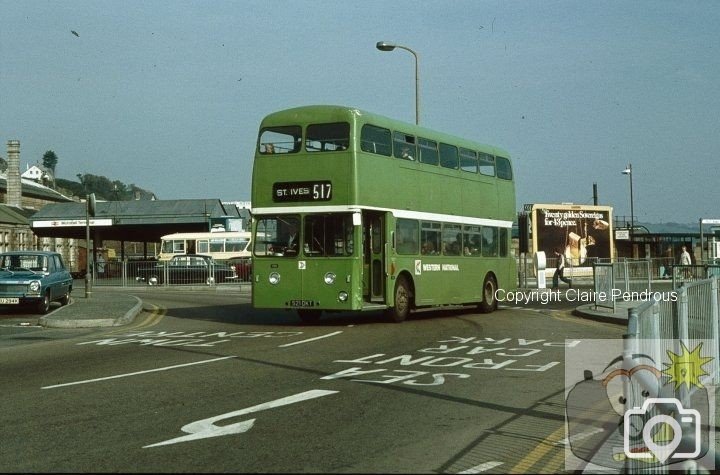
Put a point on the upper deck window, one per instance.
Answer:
(428, 151)
(448, 156)
(487, 164)
(468, 160)
(404, 146)
(375, 140)
(327, 137)
(504, 169)
(281, 139)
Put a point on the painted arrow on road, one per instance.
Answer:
(206, 428)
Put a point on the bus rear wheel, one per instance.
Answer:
(489, 302)
(403, 300)
(309, 316)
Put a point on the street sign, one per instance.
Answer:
(621, 234)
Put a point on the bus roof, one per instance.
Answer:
(208, 234)
(335, 113)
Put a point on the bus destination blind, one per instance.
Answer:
(302, 191)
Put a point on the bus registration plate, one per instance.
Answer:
(302, 303)
(9, 301)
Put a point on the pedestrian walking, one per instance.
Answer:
(685, 260)
(560, 270)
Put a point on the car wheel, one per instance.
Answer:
(65, 299)
(43, 306)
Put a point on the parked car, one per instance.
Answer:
(187, 269)
(34, 278)
(243, 267)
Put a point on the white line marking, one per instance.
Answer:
(580, 436)
(205, 428)
(310, 339)
(482, 467)
(136, 373)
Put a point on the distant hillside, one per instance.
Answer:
(671, 227)
(104, 189)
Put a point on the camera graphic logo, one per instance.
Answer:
(661, 434)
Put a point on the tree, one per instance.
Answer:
(50, 160)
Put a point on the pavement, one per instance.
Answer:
(617, 315)
(100, 309)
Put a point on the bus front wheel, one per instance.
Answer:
(489, 302)
(403, 299)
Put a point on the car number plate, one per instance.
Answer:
(7, 301)
(302, 303)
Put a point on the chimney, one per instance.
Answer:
(13, 195)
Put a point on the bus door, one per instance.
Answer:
(373, 256)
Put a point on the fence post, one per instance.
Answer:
(715, 316)
(630, 348)
(682, 315)
(656, 352)
(627, 276)
(166, 274)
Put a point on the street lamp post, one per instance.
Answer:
(628, 171)
(384, 46)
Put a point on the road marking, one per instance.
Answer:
(310, 339)
(205, 428)
(166, 368)
(483, 467)
(534, 456)
(580, 436)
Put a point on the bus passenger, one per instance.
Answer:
(406, 154)
(427, 248)
(454, 248)
(292, 242)
(269, 148)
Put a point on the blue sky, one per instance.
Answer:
(169, 94)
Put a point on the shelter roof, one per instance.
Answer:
(14, 216)
(140, 221)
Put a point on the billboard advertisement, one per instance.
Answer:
(583, 233)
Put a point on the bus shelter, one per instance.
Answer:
(134, 221)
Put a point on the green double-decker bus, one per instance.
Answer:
(354, 211)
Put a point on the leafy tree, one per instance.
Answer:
(50, 160)
(104, 188)
(3, 164)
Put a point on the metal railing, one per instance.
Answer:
(137, 273)
(658, 326)
(622, 277)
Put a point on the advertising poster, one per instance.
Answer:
(583, 233)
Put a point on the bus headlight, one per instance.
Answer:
(343, 296)
(329, 278)
(34, 286)
(274, 278)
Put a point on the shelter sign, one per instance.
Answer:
(59, 223)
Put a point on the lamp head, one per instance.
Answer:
(627, 171)
(383, 46)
